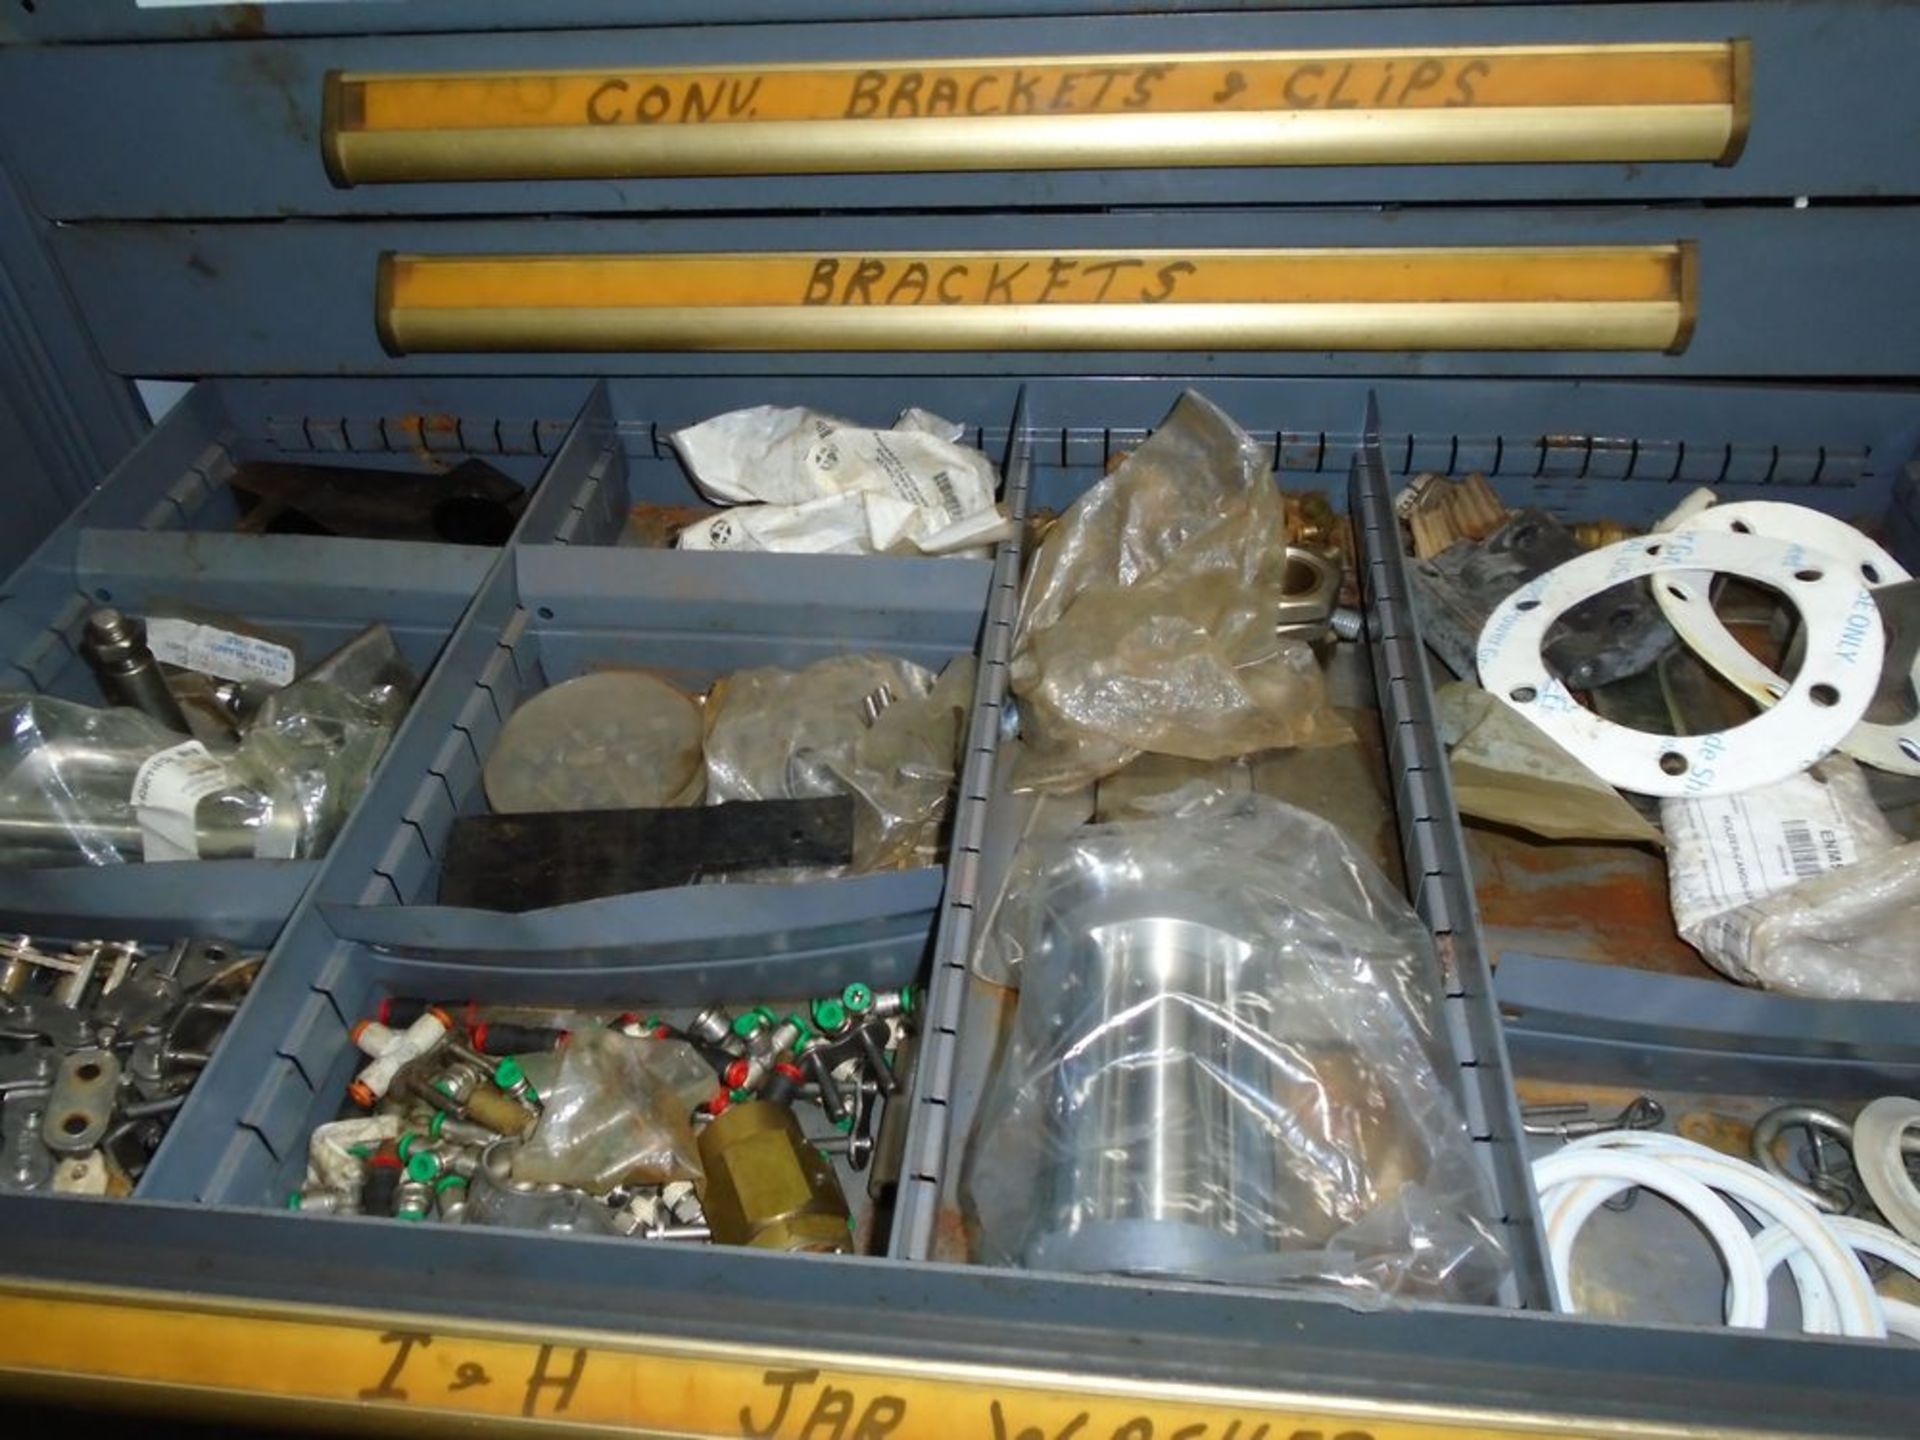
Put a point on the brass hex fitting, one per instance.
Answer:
(767, 1186)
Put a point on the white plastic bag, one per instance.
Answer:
(806, 482)
(1801, 887)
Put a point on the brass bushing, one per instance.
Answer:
(766, 1186)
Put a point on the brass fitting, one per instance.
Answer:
(766, 1186)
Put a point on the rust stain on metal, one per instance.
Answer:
(654, 527)
(1605, 904)
(950, 1237)
(442, 427)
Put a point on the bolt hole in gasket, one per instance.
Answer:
(1844, 648)
(1820, 541)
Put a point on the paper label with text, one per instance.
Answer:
(219, 653)
(166, 793)
(1731, 850)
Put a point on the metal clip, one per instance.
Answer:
(1565, 1122)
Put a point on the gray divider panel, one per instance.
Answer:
(930, 1131)
(1435, 859)
(1604, 1025)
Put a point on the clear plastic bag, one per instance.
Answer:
(880, 728)
(1847, 935)
(1147, 622)
(66, 778)
(1223, 1066)
(314, 745)
(81, 785)
(620, 1112)
(1800, 886)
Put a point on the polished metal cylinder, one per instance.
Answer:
(117, 649)
(1150, 1148)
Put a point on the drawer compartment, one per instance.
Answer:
(555, 613)
(642, 493)
(1067, 437)
(243, 1139)
(157, 534)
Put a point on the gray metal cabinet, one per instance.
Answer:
(238, 261)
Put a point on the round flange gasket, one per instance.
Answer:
(1687, 602)
(1844, 648)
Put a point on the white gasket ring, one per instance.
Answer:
(1845, 1285)
(1903, 1319)
(1845, 645)
(1687, 602)
(1882, 1167)
(1746, 1285)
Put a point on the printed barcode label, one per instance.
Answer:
(1802, 853)
(949, 497)
(1732, 850)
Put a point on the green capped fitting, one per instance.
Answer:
(447, 1182)
(423, 1165)
(857, 998)
(362, 1152)
(294, 1199)
(507, 1074)
(409, 1143)
(843, 1124)
(437, 1124)
(751, 1021)
(413, 1217)
(909, 999)
(830, 1014)
(799, 1022)
(739, 1093)
(652, 1022)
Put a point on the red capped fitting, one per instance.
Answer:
(663, 1032)
(387, 1157)
(479, 1034)
(361, 1095)
(625, 1019)
(719, 1103)
(441, 1015)
(791, 1071)
(737, 1075)
(385, 1013)
(360, 1027)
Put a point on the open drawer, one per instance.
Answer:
(360, 938)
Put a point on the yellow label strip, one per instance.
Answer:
(1533, 103)
(416, 1370)
(1618, 298)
